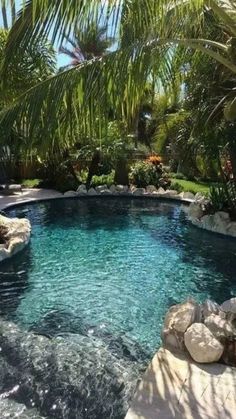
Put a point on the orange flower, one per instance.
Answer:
(156, 160)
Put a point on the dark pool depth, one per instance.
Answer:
(93, 286)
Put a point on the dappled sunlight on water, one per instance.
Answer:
(105, 271)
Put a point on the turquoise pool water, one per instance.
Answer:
(110, 268)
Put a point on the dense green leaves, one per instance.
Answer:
(150, 33)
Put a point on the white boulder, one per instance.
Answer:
(17, 236)
(177, 321)
(181, 316)
(202, 345)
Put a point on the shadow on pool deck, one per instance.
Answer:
(176, 387)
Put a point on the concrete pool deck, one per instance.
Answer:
(177, 387)
(28, 195)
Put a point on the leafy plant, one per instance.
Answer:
(57, 173)
(103, 180)
(223, 197)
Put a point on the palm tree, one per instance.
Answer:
(92, 42)
(4, 15)
(148, 32)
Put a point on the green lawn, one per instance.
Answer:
(192, 186)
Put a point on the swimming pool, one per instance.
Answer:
(101, 273)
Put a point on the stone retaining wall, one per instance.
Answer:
(121, 190)
(219, 222)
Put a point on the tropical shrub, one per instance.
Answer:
(57, 173)
(144, 173)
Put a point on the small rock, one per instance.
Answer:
(220, 328)
(92, 192)
(202, 345)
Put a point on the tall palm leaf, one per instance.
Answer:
(148, 34)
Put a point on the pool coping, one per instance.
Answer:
(48, 195)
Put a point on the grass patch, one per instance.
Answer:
(191, 186)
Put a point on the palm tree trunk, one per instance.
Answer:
(93, 168)
(13, 11)
(4, 16)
